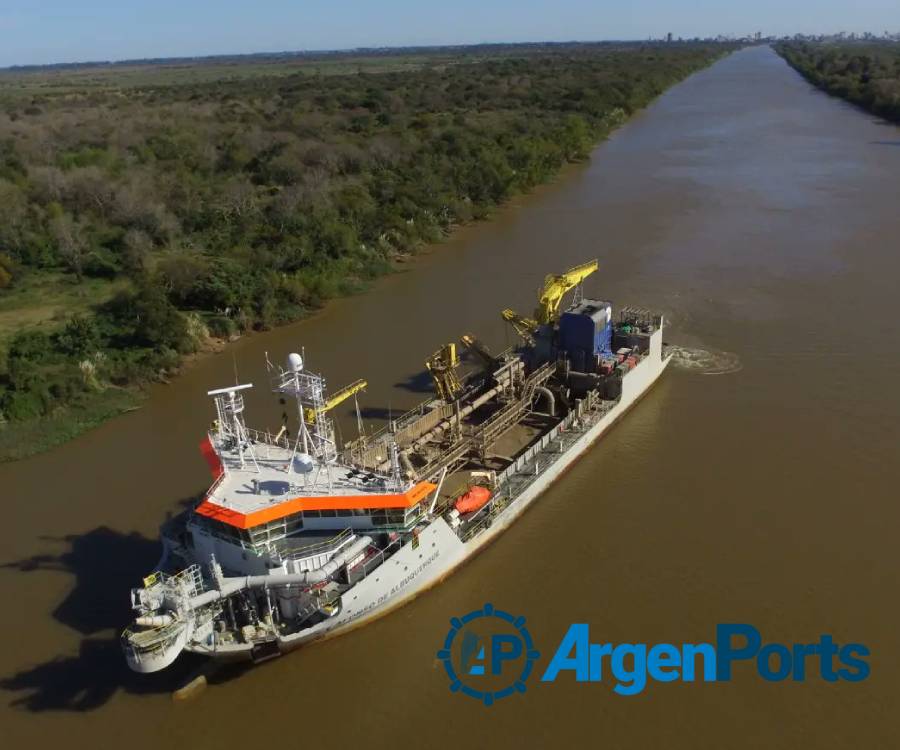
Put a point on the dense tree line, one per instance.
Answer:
(241, 204)
(867, 74)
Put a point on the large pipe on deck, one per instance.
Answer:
(153, 621)
(307, 577)
(551, 399)
(504, 381)
(407, 465)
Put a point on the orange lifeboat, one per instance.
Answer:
(474, 499)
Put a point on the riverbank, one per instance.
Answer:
(64, 377)
(38, 435)
(866, 74)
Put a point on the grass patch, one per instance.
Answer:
(22, 439)
(48, 300)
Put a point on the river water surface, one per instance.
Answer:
(763, 218)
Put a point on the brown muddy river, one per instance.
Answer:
(761, 486)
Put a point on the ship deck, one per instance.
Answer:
(268, 483)
(268, 476)
(503, 453)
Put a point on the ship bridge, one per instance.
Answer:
(261, 478)
(253, 508)
(277, 485)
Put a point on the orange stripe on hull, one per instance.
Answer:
(407, 499)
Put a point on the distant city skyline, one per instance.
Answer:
(39, 32)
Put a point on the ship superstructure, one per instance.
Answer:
(299, 537)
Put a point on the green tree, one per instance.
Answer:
(145, 317)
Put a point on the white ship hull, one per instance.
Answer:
(438, 551)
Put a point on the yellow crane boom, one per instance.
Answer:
(480, 350)
(337, 398)
(555, 286)
(525, 327)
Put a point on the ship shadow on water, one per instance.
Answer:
(420, 382)
(105, 565)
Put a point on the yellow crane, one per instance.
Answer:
(555, 286)
(337, 398)
(442, 366)
(547, 310)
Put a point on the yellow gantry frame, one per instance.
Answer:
(442, 366)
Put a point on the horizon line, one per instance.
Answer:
(376, 48)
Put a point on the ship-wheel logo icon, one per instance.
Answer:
(488, 654)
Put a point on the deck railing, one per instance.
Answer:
(290, 548)
(539, 457)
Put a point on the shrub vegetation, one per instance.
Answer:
(222, 204)
(867, 74)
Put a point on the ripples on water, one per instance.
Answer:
(704, 361)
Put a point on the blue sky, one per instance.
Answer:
(45, 31)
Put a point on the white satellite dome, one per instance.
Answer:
(294, 362)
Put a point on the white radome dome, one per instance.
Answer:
(294, 362)
(303, 463)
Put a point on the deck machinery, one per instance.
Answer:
(299, 538)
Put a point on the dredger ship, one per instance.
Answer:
(300, 538)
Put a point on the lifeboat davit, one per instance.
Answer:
(474, 499)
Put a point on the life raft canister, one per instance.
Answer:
(474, 499)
